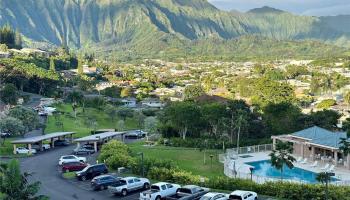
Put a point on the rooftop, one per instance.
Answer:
(320, 136)
(98, 137)
(35, 139)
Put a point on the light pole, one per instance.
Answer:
(251, 173)
(328, 178)
(142, 166)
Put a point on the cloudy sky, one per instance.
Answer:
(304, 7)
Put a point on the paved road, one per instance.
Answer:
(44, 169)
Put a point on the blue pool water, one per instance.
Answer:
(264, 168)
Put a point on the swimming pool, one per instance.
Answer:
(264, 168)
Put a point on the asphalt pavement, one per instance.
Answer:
(44, 169)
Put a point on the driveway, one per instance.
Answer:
(44, 169)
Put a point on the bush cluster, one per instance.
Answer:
(210, 143)
(116, 154)
(282, 190)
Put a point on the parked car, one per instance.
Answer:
(37, 147)
(23, 150)
(91, 172)
(61, 143)
(243, 195)
(83, 150)
(5, 135)
(188, 192)
(129, 184)
(159, 191)
(70, 158)
(73, 166)
(103, 181)
(214, 196)
(135, 134)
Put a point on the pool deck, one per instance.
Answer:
(243, 170)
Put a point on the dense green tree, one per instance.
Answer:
(121, 125)
(193, 91)
(282, 156)
(345, 149)
(126, 92)
(12, 126)
(76, 98)
(28, 117)
(111, 111)
(185, 117)
(116, 154)
(237, 111)
(214, 114)
(16, 186)
(293, 71)
(151, 125)
(267, 91)
(124, 113)
(9, 94)
(327, 119)
(326, 104)
(282, 118)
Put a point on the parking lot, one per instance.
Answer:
(44, 169)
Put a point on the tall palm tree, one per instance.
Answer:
(281, 156)
(345, 149)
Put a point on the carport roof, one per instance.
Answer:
(35, 139)
(98, 137)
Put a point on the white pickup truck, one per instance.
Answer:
(159, 191)
(129, 184)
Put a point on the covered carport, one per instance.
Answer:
(100, 138)
(39, 139)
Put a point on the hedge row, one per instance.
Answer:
(284, 190)
(210, 143)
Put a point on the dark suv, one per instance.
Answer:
(92, 171)
(103, 181)
(61, 143)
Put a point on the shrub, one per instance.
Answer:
(327, 103)
(284, 190)
(202, 143)
(149, 163)
(116, 154)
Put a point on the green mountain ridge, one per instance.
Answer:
(156, 27)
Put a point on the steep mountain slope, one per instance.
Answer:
(145, 27)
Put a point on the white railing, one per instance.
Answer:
(250, 149)
(229, 172)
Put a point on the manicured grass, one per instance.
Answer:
(187, 159)
(79, 124)
(69, 175)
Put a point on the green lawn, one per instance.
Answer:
(187, 159)
(79, 124)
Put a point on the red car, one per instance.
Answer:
(73, 166)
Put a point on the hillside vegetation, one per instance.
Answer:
(144, 28)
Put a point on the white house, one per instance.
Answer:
(129, 102)
(153, 103)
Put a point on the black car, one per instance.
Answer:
(103, 181)
(92, 171)
(83, 150)
(61, 143)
